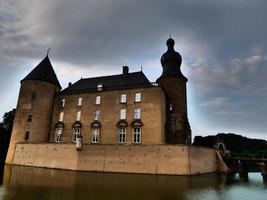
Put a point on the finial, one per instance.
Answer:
(47, 53)
(141, 68)
(170, 36)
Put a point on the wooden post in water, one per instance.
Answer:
(242, 170)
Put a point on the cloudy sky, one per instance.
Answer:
(223, 45)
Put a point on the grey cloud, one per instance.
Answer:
(223, 44)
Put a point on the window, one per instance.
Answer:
(99, 87)
(61, 116)
(137, 97)
(123, 98)
(97, 115)
(75, 134)
(95, 135)
(58, 135)
(137, 113)
(123, 113)
(29, 119)
(80, 100)
(78, 117)
(97, 100)
(122, 135)
(27, 136)
(136, 135)
(33, 97)
(62, 103)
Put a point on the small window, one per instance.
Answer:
(99, 87)
(123, 113)
(95, 136)
(58, 135)
(123, 98)
(76, 132)
(61, 116)
(97, 115)
(80, 101)
(62, 103)
(137, 113)
(29, 119)
(136, 135)
(122, 135)
(78, 117)
(33, 97)
(97, 100)
(27, 136)
(137, 97)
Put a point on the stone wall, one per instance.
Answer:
(150, 159)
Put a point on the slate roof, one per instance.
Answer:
(114, 82)
(43, 72)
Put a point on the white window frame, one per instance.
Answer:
(123, 113)
(78, 116)
(135, 135)
(123, 98)
(137, 113)
(63, 101)
(122, 135)
(97, 100)
(80, 101)
(58, 135)
(75, 133)
(99, 87)
(97, 115)
(138, 97)
(95, 136)
(61, 116)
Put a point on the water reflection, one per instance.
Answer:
(38, 183)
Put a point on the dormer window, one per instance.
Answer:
(99, 87)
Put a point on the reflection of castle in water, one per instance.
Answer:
(85, 185)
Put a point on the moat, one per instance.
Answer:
(20, 183)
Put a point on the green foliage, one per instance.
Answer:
(5, 133)
(233, 142)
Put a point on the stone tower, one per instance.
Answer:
(173, 83)
(34, 107)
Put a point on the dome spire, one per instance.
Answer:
(171, 61)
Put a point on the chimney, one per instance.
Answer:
(125, 70)
(70, 84)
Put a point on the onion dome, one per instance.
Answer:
(43, 72)
(171, 62)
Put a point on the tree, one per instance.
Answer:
(5, 133)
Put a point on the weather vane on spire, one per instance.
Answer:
(47, 53)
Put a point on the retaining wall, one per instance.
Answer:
(150, 159)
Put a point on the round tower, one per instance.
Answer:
(173, 83)
(34, 107)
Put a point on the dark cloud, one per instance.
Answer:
(223, 44)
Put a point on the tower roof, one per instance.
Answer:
(43, 72)
(171, 61)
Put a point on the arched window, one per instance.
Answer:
(76, 132)
(137, 135)
(95, 135)
(122, 135)
(58, 134)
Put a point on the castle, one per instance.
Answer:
(120, 117)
